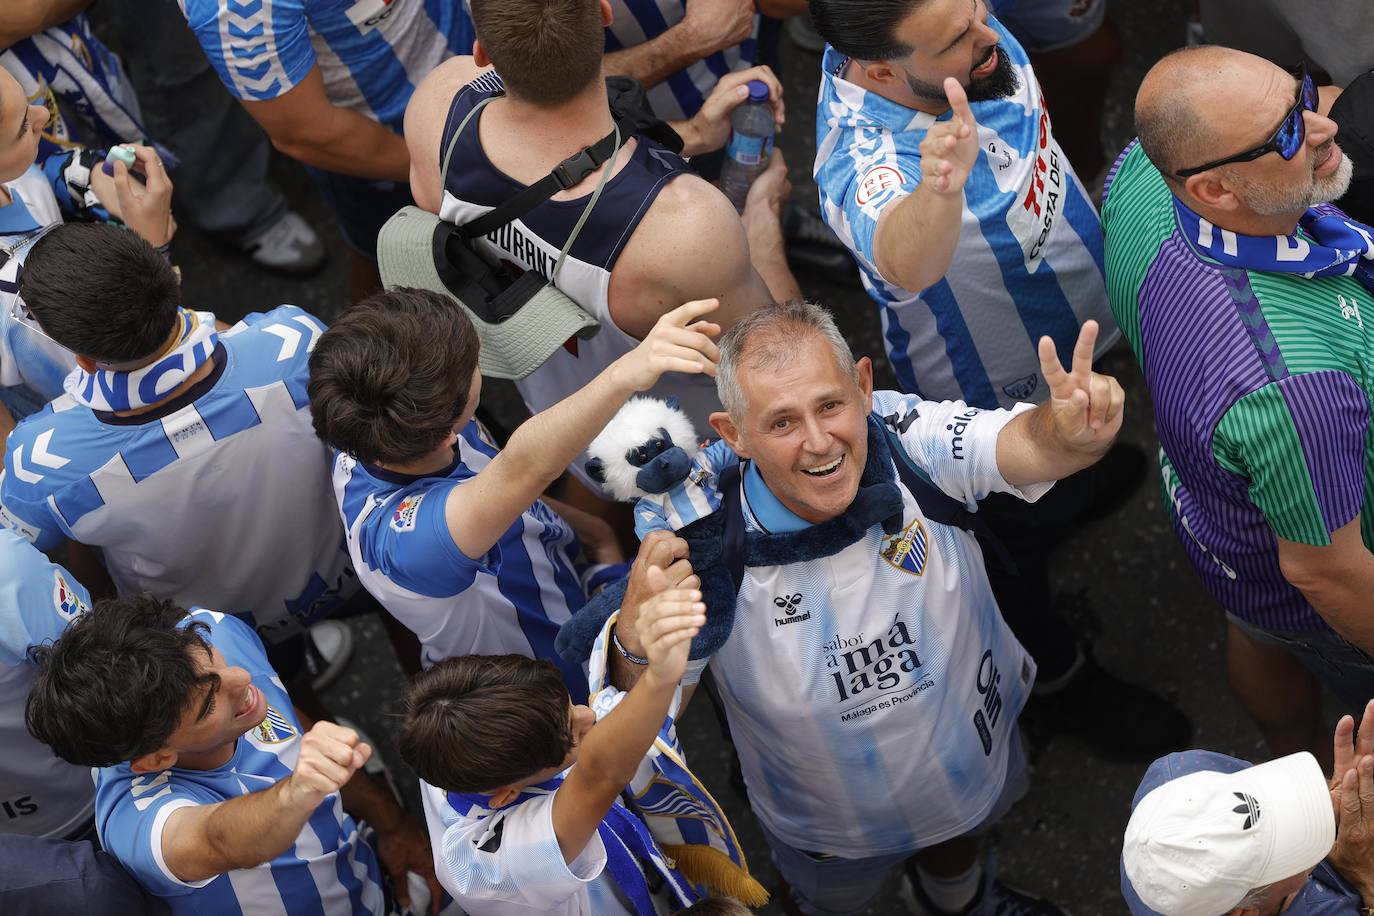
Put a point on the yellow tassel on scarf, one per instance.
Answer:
(713, 868)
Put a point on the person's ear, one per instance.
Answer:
(725, 427)
(86, 363)
(1210, 189)
(863, 374)
(479, 54)
(607, 15)
(880, 71)
(504, 796)
(154, 762)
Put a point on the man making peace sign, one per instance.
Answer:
(938, 167)
(871, 684)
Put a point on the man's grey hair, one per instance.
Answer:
(768, 338)
(1257, 897)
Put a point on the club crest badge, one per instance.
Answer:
(907, 551)
(65, 598)
(273, 729)
(403, 516)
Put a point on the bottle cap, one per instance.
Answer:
(758, 91)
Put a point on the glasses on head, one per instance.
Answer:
(1286, 140)
(19, 311)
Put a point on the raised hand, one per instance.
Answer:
(666, 624)
(1353, 854)
(1087, 407)
(1352, 745)
(330, 754)
(145, 207)
(714, 25)
(950, 148)
(677, 343)
(668, 553)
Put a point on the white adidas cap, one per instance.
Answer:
(1196, 845)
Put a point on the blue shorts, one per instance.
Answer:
(1345, 669)
(833, 886)
(1048, 25)
(361, 205)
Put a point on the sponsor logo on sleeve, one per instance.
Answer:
(1034, 213)
(876, 182)
(403, 516)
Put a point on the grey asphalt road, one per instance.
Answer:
(1149, 619)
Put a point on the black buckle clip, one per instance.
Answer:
(572, 170)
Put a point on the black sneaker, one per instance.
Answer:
(993, 899)
(1117, 719)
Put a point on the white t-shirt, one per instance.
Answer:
(872, 694)
(510, 863)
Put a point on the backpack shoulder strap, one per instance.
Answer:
(939, 506)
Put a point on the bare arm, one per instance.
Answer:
(424, 126)
(21, 18)
(762, 218)
(202, 841)
(915, 238)
(1070, 431)
(308, 127)
(613, 749)
(1337, 579)
(707, 26)
(480, 511)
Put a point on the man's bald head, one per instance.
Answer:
(1169, 108)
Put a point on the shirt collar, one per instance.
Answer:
(15, 218)
(771, 515)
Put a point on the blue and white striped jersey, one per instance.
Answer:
(220, 494)
(873, 694)
(510, 863)
(513, 600)
(67, 70)
(28, 358)
(681, 95)
(40, 795)
(372, 53)
(330, 869)
(1029, 257)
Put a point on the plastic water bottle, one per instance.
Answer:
(751, 143)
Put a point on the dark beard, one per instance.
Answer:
(999, 84)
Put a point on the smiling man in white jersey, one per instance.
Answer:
(871, 684)
(938, 167)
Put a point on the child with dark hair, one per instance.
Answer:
(521, 787)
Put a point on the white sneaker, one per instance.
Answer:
(287, 246)
(329, 647)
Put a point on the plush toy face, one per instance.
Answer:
(645, 450)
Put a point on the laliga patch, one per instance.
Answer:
(907, 551)
(65, 598)
(403, 516)
(273, 729)
(876, 182)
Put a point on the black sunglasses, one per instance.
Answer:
(1286, 140)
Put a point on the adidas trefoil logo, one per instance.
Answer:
(1249, 807)
(790, 605)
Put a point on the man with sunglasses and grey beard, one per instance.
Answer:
(1243, 293)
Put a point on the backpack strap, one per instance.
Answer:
(939, 506)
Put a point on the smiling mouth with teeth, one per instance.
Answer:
(824, 470)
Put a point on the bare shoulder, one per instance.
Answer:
(425, 115)
(689, 245)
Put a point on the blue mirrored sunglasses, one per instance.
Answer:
(1286, 140)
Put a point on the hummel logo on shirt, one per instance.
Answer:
(791, 610)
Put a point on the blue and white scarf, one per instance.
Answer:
(1335, 246)
(113, 390)
(628, 844)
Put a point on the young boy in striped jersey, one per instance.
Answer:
(521, 787)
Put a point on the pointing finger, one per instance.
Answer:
(958, 100)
